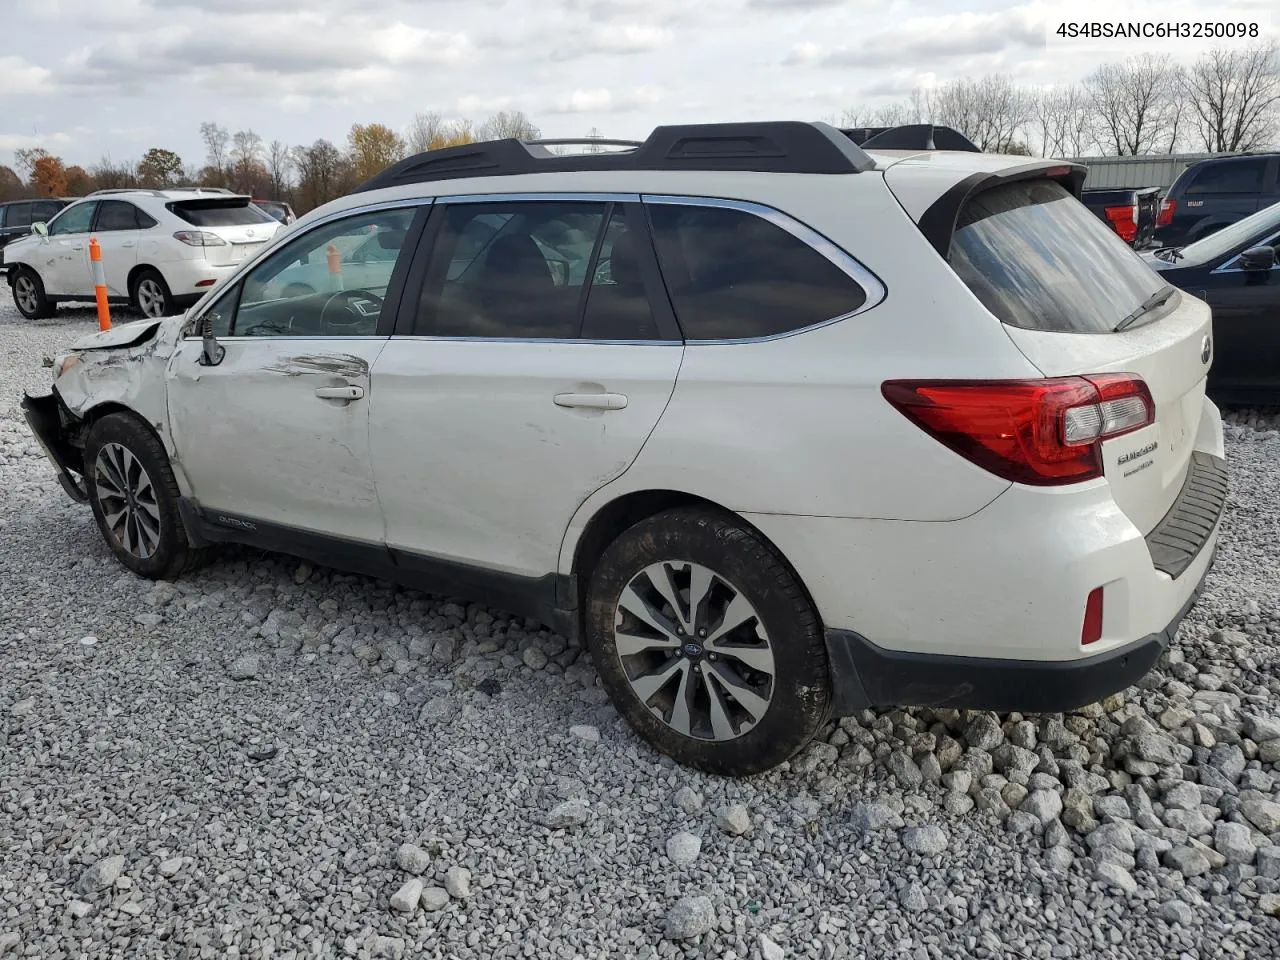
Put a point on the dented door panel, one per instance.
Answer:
(257, 442)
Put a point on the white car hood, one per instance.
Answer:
(122, 335)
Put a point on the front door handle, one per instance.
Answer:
(126, 246)
(592, 401)
(347, 392)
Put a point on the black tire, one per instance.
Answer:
(172, 554)
(150, 295)
(28, 294)
(801, 695)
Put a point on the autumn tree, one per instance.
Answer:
(48, 176)
(1233, 98)
(80, 182)
(372, 148)
(1136, 104)
(159, 168)
(508, 123)
(322, 173)
(11, 187)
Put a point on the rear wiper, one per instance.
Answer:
(1149, 304)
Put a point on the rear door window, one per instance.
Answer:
(734, 275)
(19, 215)
(1037, 258)
(1239, 176)
(219, 213)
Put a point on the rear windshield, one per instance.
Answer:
(1039, 259)
(219, 213)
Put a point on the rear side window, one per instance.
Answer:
(219, 213)
(44, 210)
(1037, 258)
(19, 215)
(1240, 176)
(733, 275)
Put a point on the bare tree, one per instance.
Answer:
(1233, 98)
(993, 111)
(1135, 104)
(1065, 122)
(426, 132)
(508, 123)
(216, 139)
(278, 163)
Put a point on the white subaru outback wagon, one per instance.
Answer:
(783, 424)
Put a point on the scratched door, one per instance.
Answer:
(279, 431)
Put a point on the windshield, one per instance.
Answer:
(1260, 226)
(1037, 258)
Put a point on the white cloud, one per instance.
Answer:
(18, 77)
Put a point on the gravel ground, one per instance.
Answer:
(270, 760)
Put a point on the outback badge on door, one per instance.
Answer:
(1206, 349)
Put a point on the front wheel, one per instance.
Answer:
(707, 643)
(134, 496)
(29, 296)
(151, 296)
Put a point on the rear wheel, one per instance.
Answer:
(707, 643)
(29, 296)
(134, 496)
(151, 296)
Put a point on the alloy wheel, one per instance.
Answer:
(151, 298)
(694, 650)
(125, 493)
(24, 291)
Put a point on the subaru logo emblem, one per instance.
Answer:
(693, 649)
(1206, 349)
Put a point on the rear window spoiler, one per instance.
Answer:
(938, 223)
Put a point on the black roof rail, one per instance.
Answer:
(912, 136)
(782, 146)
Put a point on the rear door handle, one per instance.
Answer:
(592, 401)
(348, 392)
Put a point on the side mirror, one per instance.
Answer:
(1258, 258)
(40, 228)
(212, 352)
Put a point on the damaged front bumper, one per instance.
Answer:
(44, 416)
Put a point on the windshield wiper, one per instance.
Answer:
(1149, 304)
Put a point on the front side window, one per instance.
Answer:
(734, 275)
(74, 219)
(510, 270)
(327, 282)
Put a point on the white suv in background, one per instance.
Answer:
(161, 249)
(781, 424)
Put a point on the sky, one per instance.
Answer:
(90, 78)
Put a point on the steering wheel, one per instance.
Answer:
(358, 308)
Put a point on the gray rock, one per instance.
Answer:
(1117, 877)
(734, 820)
(904, 770)
(683, 848)
(867, 817)
(1193, 822)
(927, 841)
(10, 943)
(1060, 859)
(1055, 834)
(1175, 911)
(171, 867)
(570, 813)
(984, 732)
(1269, 752)
(690, 917)
(387, 948)
(434, 898)
(79, 909)
(1010, 758)
(1187, 861)
(1228, 759)
(413, 859)
(1182, 796)
(1175, 718)
(957, 804)
(1111, 807)
(1263, 814)
(1155, 748)
(912, 898)
(1116, 835)
(534, 658)
(1268, 862)
(1044, 805)
(405, 900)
(101, 875)
(245, 667)
(1021, 822)
(457, 882)
(768, 949)
(1234, 842)
(1261, 729)
(585, 733)
(688, 800)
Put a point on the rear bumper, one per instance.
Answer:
(865, 675)
(45, 421)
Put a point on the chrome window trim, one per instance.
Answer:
(203, 307)
(1270, 241)
(558, 196)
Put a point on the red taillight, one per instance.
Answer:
(1124, 220)
(1039, 432)
(1165, 216)
(1091, 632)
(205, 283)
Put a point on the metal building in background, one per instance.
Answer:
(1157, 170)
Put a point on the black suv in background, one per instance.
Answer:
(1214, 193)
(17, 216)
